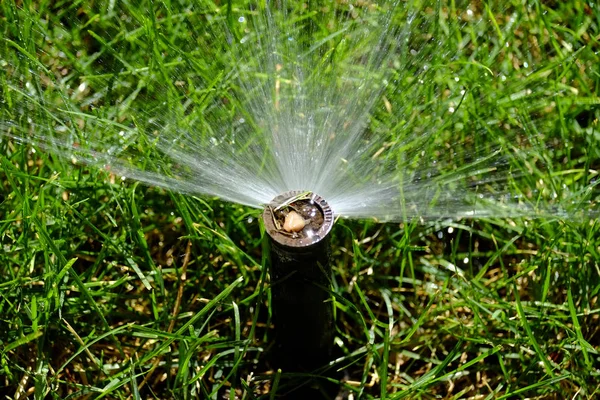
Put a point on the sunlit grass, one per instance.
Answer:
(111, 289)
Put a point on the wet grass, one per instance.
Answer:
(110, 289)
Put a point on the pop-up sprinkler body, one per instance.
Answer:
(298, 225)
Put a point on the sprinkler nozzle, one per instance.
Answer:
(298, 219)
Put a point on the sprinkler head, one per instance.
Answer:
(297, 219)
(298, 224)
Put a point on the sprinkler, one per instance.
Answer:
(298, 225)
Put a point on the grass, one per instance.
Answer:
(111, 289)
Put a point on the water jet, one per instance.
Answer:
(300, 280)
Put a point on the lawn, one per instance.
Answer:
(131, 268)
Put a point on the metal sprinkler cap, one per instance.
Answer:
(316, 213)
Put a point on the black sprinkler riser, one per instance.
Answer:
(300, 282)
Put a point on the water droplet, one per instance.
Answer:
(466, 260)
(241, 19)
(250, 220)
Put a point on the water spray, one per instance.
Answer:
(298, 225)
